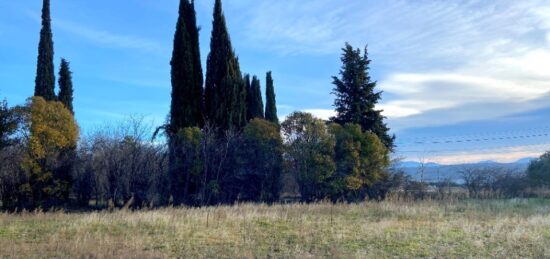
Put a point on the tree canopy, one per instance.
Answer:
(270, 103)
(65, 95)
(356, 98)
(225, 90)
(186, 109)
(45, 74)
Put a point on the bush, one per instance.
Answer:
(539, 170)
(309, 154)
(361, 162)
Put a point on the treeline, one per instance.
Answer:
(221, 143)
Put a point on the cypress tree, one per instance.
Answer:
(356, 97)
(225, 89)
(186, 72)
(254, 102)
(186, 108)
(258, 103)
(249, 97)
(45, 74)
(270, 103)
(65, 95)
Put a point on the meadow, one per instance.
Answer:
(517, 228)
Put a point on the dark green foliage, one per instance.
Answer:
(310, 153)
(225, 90)
(65, 95)
(255, 103)
(259, 174)
(361, 161)
(187, 92)
(539, 170)
(270, 103)
(186, 109)
(186, 180)
(249, 96)
(356, 97)
(67, 156)
(8, 125)
(45, 75)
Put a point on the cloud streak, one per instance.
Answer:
(104, 38)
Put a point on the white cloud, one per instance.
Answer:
(436, 55)
(504, 155)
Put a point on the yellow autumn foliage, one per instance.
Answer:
(52, 128)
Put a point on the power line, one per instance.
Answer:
(487, 138)
(479, 134)
(492, 149)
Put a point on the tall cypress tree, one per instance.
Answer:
(356, 97)
(186, 108)
(270, 102)
(65, 95)
(249, 97)
(45, 74)
(225, 89)
(187, 93)
(258, 103)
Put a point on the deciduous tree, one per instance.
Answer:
(310, 154)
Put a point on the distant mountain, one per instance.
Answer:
(433, 172)
(526, 160)
(417, 164)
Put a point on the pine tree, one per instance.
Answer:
(356, 97)
(225, 89)
(45, 74)
(270, 103)
(65, 95)
(187, 78)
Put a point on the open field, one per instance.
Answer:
(497, 228)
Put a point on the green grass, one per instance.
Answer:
(494, 228)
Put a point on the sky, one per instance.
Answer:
(463, 81)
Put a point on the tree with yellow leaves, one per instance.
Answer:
(52, 132)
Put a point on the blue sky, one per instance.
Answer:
(452, 71)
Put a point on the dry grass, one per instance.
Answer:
(506, 228)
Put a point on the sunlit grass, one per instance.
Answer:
(496, 228)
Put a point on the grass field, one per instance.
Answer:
(496, 228)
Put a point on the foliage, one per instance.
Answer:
(11, 154)
(356, 98)
(186, 109)
(8, 125)
(255, 105)
(361, 162)
(65, 95)
(52, 129)
(539, 170)
(45, 75)
(121, 166)
(309, 154)
(185, 180)
(259, 177)
(270, 103)
(225, 90)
